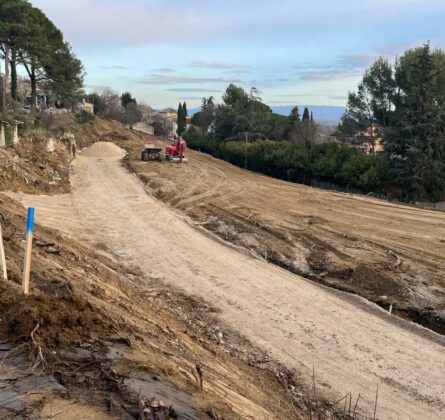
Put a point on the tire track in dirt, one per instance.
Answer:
(352, 344)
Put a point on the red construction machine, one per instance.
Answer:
(176, 151)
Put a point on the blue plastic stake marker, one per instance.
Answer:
(28, 250)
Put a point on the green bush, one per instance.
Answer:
(84, 117)
(305, 163)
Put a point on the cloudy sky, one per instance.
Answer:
(295, 52)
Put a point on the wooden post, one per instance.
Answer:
(2, 252)
(2, 135)
(28, 250)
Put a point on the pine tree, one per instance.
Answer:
(294, 115)
(416, 144)
(294, 134)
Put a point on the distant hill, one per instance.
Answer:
(322, 113)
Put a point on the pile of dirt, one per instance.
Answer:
(104, 150)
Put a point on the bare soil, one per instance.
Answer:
(345, 241)
(111, 337)
(30, 168)
(350, 344)
(349, 242)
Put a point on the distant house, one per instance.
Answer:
(169, 114)
(143, 127)
(188, 123)
(41, 100)
(86, 106)
(369, 141)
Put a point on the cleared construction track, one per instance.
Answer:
(351, 343)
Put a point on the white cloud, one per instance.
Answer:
(218, 65)
(193, 90)
(162, 79)
(329, 75)
(113, 67)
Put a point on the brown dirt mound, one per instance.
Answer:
(104, 150)
(63, 322)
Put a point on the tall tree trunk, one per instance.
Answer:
(7, 61)
(33, 91)
(2, 93)
(13, 75)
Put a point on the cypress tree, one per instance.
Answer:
(180, 120)
(184, 117)
(306, 115)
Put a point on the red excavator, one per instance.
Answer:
(176, 151)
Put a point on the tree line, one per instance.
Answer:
(123, 108)
(305, 163)
(403, 102)
(29, 39)
(242, 113)
(406, 100)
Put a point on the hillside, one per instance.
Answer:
(388, 253)
(99, 338)
(220, 301)
(294, 321)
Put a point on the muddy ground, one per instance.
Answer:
(386, 252)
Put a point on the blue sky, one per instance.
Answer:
(294, 52)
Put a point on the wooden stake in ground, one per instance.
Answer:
(2, 250)
(28, 250)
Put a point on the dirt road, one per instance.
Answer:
(346, 241)
(352, 344)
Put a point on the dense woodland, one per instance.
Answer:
(405, 100)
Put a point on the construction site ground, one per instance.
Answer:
(210, 241)
(98, 338)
